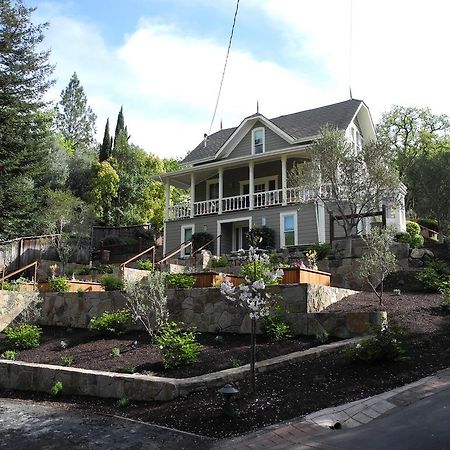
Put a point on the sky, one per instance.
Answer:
(162, 60)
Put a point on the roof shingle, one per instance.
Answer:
(300, 125)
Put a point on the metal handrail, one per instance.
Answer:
(152, 248)
(177, 249)
(206, 245)
(22, 269)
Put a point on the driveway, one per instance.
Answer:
(25, 426)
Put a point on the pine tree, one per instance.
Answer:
(24, 124)
(106, 146)
(75, 118)
(120, 127)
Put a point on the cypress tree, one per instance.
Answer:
(106, 146)
(120, 127)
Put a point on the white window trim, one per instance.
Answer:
(183, 228)
(265, 180)
(282, 216)
(208, 184)
(219, 229)
(263, 140)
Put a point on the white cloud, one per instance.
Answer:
(168, 81)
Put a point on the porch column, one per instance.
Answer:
(251, 183)
(220, 189)
(284, 178)
(192, 194)
(167, 198)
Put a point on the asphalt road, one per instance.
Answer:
(424, 425)
(27, 426)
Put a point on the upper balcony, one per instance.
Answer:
(240, 202)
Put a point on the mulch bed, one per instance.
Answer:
(89, 351)
(303, 387)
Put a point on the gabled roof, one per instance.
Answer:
(299, 126)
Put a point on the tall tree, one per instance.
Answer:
(106, 146)
(24, 126)
(75, 118)
(411, 133)
(120, 127)
(348, 183)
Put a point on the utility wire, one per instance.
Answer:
(350, 45)
(224, 67)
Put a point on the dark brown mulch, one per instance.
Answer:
(90, 351)
(416, 312)
(304, 387)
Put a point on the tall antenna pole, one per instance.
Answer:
(350, 51)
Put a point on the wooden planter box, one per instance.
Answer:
(297, 275)
(86, 286)
(209, 279)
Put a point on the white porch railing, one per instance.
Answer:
(179, 211)
(236, 203)
(268, 198)
(242, 202)
(206, 207)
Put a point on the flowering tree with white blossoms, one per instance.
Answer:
(253, 297)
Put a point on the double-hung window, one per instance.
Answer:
(288, 228)
(258, 141)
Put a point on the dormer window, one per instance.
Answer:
(258, 141)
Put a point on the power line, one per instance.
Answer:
(350, 44)
(224, 67)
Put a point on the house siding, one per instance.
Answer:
(306, 224)
(272, 142)
(233, 177)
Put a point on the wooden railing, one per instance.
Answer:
(179, 248)
(236, 203)
(206, 207)
(22, 269)
(206, 245)
(150, 249)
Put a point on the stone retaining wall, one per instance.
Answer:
(11, 305)
(203, 308)
(41, 377)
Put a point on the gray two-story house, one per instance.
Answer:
(238, 179)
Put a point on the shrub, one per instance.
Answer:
(220, 262)
(384, 345)
(110, 323)
(445, 298)
(128, 369)
(59, 284)
(431, 224)
(177, 347)
(263, 238)
(180, 280)
(258, 270)
(115, 352)
(67, 360)
(415, 237)
(145, 264)
(322, 250)
(235, 362)
(147, 301)
(9, 354)
(57, 388)
(112, 283)
(433, 277)
(202, 238)
(123, 402)
(7, 286)
(275, 327)
(23, 336)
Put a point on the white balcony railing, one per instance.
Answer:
(236, 203)
(268, 198)
(206, 207)
(242, 202)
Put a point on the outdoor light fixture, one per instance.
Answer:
(228, 391)
(205, 228)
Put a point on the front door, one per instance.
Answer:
(240, 241)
